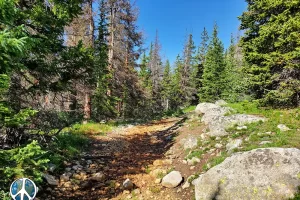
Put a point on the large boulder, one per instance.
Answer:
(270, 173)
(217, 121)
(213, 113)
(217, 127)
(203, 107)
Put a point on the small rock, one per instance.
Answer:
(184, 162)
(218, 146)
(67, 184)
(127, 184)
(68, 169)
(241, 128)
(99, 177)
(192, 167)
(190, 142)
(186, 185)
(89, 162)
(193, 161)
(85, 184)
(158, 181)
(283, 128)
(64, 177)
(179, 190)
(50, 179)
(233, 145)
(218, 138)
(77, 167)
(171, 180)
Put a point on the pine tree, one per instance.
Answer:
(144, 73)
(213, 72)
(188, 82)
(155, 66)
(124, 42)
(167, 86)
(200, 58)
(271, 47)
(234, 78)
(177, 89)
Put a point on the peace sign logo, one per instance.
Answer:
(23, 189)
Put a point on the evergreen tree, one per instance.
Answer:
(167, 86)
(214, 67)
(271, 47)
(200, 58)
(188, 73)
(155, 66)
(178, 93)
(102, 103)
(234, 88)
(144, 73)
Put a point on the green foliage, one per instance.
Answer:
(4, 195)
(69, 144)
(213, 72)
(29, 161)
(195, 153)
(167, 86)
(271, 47)
(235, 87)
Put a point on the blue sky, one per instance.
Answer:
(174, 19)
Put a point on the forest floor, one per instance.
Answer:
(141, 153)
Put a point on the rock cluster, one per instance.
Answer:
(215, 116)
(270, 173)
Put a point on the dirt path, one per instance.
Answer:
(132, 153)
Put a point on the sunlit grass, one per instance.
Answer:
(92, 128)
(268, 131)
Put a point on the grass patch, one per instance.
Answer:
(195, 153)
(189, 109)
(215, 161)
(147, 169)
(70, 144)
(160, 175)
(92, 128)
(170, 170)
(193, 177)
(268, 131)
(155, 189)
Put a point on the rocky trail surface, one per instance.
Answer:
(128, 163)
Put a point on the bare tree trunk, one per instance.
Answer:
(111, 44)
(87, 98)
(87, 108)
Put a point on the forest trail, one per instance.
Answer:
(132, 152)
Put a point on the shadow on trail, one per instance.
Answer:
(118, 158)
